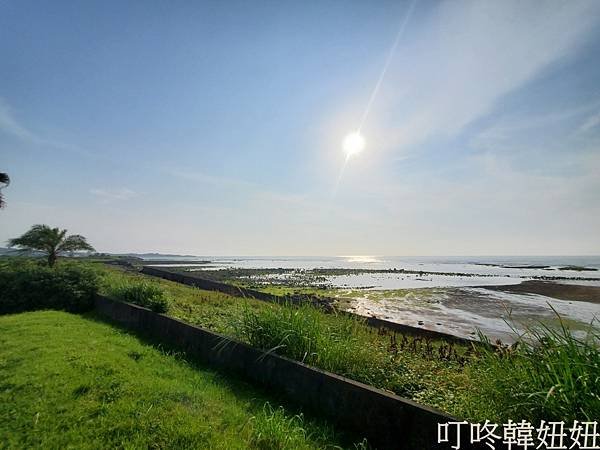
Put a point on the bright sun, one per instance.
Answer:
(353, 143)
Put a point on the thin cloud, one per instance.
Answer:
(213, 180)
(506, 132)
(10, 125)
(110, 195)
(469, 56)
(591, 122)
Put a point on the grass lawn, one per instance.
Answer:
(70, 381)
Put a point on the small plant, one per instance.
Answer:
(276, 429)
(273, 429)
(148, 295)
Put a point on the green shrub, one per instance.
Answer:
(27, 285)
(148, 295)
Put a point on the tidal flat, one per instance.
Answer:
(457, 297)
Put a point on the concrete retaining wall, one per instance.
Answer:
(415, 331)
(388, 421)
(244, 292)
(210, 285)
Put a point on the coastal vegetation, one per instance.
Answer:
(27, 285)
(424, 370)
(147, 294)
(71, 381)
(470, 382)
(345, 346)
(52, 241)
(547, 374)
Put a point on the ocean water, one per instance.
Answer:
(468, 264)
(454, 301)
(481, 270)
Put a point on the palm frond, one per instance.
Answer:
(39, 237)
(52, 241)
(73, 243)
(32, 238)
(4, 181)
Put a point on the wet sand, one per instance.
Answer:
(572, 292)
(495, 310)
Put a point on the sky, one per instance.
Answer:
(216, 128)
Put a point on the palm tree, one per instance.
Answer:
(51, 241)
(4, 181)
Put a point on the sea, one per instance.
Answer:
(445, 293)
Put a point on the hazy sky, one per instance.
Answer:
(215, 128)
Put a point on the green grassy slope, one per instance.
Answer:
(68, 381)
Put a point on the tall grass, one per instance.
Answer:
(276, 429)
(548, 374)
(339, 344)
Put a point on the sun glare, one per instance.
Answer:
(353, 143)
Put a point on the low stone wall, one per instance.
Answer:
(388, 421)
(414, 331)
(245, 292)
(210, 285)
